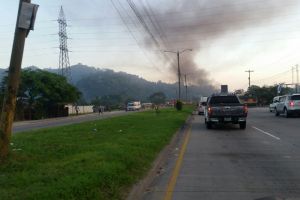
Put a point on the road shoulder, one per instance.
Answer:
(145, 188)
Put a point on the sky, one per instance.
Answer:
(227, 37)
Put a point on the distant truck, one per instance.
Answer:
(133, 106)
(224, 89)
(201, 105)
(225, 108)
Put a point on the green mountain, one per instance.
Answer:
(94, 82)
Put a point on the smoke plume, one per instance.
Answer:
(190, 23)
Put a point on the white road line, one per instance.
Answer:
(264, 132)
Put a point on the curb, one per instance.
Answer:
(139, 189)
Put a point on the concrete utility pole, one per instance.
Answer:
(249, 77)
(178, 69)
(26, 11)
(186, 96)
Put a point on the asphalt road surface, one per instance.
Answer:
(46, 123)
(226, 163)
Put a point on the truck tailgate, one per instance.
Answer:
(227, 111)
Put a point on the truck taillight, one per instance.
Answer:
(209, 110)
(292, 103)
(245, 109)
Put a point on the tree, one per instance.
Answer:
(96, 101)
(44, 93)
(265, 94)
(158, 98)
(112, 101)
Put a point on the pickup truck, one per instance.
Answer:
(225, 108)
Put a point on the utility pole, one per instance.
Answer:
(297, 73)
(179, 76)
(249, 77)
(25, 23)
(186, 96)
(178, 69)
(292, 75)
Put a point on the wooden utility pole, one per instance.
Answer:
(8, 111)
(186, 96)
(249, 77)
(179, 76)
(297, 74)
(178, 69)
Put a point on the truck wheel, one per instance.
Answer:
(242, 125)
(208, 125)
(276, 112)
(286, 114)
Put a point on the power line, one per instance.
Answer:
(143, 23)
(156, 25)
(131, 33)
(154, 22)
(274, 76)
(187, 12)
(145, 26)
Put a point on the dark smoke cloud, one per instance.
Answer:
(185, 23)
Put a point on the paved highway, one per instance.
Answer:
(226, 163)
(53, 122)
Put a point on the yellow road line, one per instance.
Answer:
(176, 170)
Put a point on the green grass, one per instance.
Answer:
(93, 160)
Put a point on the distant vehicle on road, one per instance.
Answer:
(147, 105)
(274, 103)
(225, 108)
(201, 105)
(133, 106)
(288, 105)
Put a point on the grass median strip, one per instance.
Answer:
(93, 160)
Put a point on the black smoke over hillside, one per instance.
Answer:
(180, 24)
(93, 82)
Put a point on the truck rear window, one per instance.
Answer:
(224, 100)
(295, 97)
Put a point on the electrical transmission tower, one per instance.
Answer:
(64, 62)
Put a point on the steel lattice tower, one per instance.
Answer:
(64, 62)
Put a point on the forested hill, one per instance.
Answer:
(94, 82)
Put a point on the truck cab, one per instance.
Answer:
(133, 106)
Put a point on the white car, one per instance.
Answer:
(133, 106)
(201, 108)
(288, 105)
(274, 103)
